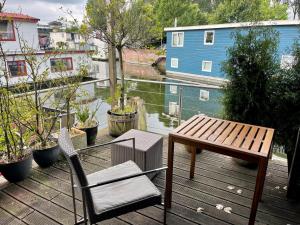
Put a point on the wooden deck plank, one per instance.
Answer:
(8, 219)
(37, 218)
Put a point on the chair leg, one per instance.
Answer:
(84, 208)
(73, 197)
(165, 213)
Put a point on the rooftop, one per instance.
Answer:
(18, 17)
(236, 25)
(45, 197)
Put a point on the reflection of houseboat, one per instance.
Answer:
(195, 100)
(17, 29)
(197, 52)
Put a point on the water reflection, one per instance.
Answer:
(161, 102)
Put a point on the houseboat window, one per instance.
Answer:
(209, 37)
(7, 31)
(174, 62)
(17, 68)
(204, 95)
(206, 66)
(177, 39)
(287, 61)
(62, 64)
(173, 89)
(173, 108)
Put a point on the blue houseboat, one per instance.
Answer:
(198, 51)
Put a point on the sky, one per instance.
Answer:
(46, 10)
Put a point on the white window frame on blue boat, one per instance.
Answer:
(174, 62)
(287, 61)
(173, 89)
(177, 39)
(204, 95)
(205, 37)
(203, 66)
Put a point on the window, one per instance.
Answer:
(174, 62)
(206, 66)
(173, 108)
(173, 89)
(177, 39)
(209, 37)
(62, 64)
(7, 31)
(287, 61)
(17, 68)
(204, 95)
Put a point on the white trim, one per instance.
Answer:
(205, 35)
(204, 77)
(174, 62)
(235, 25)
(205, 61)
(177, 45)
(204, 95)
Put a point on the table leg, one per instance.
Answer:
(193, 161)
(169, 178)
(260, 178)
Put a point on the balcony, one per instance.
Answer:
(45, 197)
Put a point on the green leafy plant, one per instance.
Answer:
(251, 63)
(85, 116)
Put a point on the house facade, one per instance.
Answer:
(18, 30)
(198, 51)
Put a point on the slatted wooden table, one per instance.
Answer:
(243, 141)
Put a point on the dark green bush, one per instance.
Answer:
(249, 67)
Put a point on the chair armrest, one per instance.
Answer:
(107, 143)
(124, 178)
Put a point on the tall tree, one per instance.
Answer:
(231, 11)
(130, 26)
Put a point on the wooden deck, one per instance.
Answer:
(45, 197)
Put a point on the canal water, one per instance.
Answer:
(161, 101)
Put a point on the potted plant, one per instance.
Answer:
(120, 25)
(120, 119)
(15, 156)
(87, 122)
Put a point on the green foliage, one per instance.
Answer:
(186, 12)
(85, 116)
(251, 63)
(285, 102)
(232, 11)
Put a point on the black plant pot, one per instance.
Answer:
(17, 171)
(46, 157)
(91, 134)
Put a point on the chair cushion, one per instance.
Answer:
(123, 193)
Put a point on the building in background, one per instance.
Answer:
(17, 29)
(197, 52)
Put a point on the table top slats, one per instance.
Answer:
(187, 125)
(220, 129)
(240, 139)
(198, 126)
(267, 141)
(211, 129)
(233, 135)
(226, 132)
(250, 137)
(205, 128)
(258, 140)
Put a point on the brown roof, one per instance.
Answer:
(18, 16)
